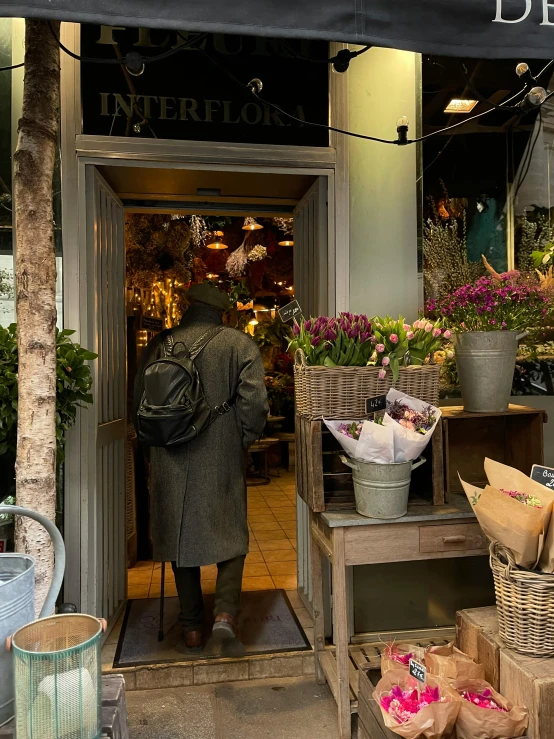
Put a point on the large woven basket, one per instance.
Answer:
(341, 392)
(525, 605)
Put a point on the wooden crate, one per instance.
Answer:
(514, 437)
(525, 681)
(322, 480)
(325, 483)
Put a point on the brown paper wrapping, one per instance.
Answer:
(483, 723)
(500, 476)
(522, 529)
(450, 663)
(433, 721)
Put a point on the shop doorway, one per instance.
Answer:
(113, 539)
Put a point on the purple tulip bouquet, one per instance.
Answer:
(334, 342)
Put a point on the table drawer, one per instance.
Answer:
(451, 538)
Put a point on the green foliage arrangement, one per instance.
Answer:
(73, 385)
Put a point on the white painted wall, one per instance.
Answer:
(383, 199)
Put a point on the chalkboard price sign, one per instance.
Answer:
(149, 323)
(378, 403)
(418, 670)
(544, 475)
(290, 311)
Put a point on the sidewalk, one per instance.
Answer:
(290, 708)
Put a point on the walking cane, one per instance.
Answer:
(161, 631)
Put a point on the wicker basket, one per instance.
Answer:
(525, 604)
(341, 392)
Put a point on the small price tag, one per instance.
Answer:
(378, 403)
(290, 311)
(418, 670)
(544, 475)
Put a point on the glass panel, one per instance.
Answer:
(200, 94)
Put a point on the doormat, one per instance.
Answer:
(267, 624)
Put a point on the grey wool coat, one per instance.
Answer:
(198, 489)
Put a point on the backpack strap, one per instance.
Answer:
(201, 343)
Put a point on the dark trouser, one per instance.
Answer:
(227, 591)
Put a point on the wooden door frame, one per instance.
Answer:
(77, 152)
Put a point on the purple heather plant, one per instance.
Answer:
(490, 304)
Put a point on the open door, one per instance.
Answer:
(311, 289)
(105, 579)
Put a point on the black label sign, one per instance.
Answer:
(290, 311)
(418, 670)
(193, 95)
(378, 403)
(149, 323)
(544, 475)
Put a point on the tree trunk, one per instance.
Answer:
(35, 269)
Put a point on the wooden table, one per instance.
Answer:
(348, 539)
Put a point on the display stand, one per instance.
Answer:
(348, 539)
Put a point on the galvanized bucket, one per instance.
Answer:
(382, 490)
(17, 600)
(486, 362)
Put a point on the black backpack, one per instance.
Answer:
(173, 408)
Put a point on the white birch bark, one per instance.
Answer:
(35, 268)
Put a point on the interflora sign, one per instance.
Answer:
(193, 94)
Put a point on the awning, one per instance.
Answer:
(473, 28)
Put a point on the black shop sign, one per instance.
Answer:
(192, 95)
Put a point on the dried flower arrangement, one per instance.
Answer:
(403, 705)
(445, 250)
(257, 253)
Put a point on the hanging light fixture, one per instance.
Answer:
(211, 276)
(217, 243)
(286, 242)
(251, 224)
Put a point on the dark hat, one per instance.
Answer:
(210, 295)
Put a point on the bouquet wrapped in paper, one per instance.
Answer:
(401, 436)
(452, 664)
(485, 714)
(515, 511)
(398, 656)
(413, 710)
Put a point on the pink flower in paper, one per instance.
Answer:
(436, 332)
(380, 348)
(447, 334)
(410, 335)
(385, 361)
(394, 338)
(382, 374)
(428, 327)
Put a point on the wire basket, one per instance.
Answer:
(58, 678)
(340, 393)
(525, 605)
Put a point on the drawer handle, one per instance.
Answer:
(453, 539)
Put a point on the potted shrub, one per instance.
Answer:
(488, 318)
(73, 385)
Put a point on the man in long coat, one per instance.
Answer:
(198, 489)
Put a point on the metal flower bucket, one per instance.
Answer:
(382, 490)
(17, 600)
(486, 362)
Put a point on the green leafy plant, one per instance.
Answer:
(273, 333)
(73, 385)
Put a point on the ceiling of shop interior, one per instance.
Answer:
(182, 185)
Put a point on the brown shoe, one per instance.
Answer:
(193, 641)
(224, 628)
